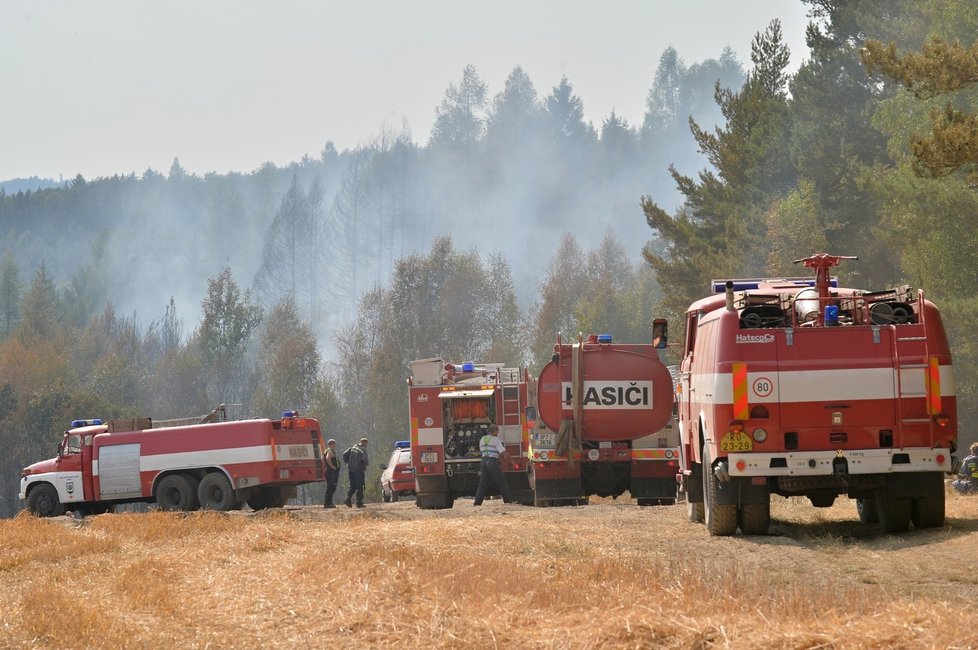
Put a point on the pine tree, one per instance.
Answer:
(940, 68)
(720, 230)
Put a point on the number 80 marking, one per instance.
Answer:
(763, 387)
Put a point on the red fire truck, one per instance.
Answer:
(606, 424)
(214, 466)
(451, 406)
(799, 387)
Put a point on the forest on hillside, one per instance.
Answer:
(311, 286)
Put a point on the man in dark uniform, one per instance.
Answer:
(332, 467)
(358, 473)
(492, 450)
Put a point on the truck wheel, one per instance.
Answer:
(215, 492)
(866, 507)
(175, 492)
(721, 520)
(894, 514)
(263, 498)
(44, 502)
(695, 512)
(393, 497)
(385, 496)
(927, 512)
(755, 518)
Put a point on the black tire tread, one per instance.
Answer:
(721, 520)
(755, 518)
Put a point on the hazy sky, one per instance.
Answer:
(107, 87)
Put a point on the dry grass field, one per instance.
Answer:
(502, 576)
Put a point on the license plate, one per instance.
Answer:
(736, 441)
(429, 457)
(548, 440)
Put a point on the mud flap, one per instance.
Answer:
(654, 488)
(692, 485)
(739, 491)
(567, 489)
(912, 485)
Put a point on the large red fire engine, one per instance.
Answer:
(606, 424)
(802, 388)
(215, 466)
(451, 406)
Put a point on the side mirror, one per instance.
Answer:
(660, 333)
(383, 466)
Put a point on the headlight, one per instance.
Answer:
(759, 434)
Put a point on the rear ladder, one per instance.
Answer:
(911, 352)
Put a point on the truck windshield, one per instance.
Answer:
(73, 445)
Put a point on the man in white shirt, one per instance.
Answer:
(492, 449)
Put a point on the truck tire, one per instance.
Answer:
(385, 495)
(721, 520)
(393, 496)
(263, 498)
(43, 501)
(927, 512)
(175, 492)
(215, 493)
(894, 514)
(695, 512)
(866, 507)
(755, 518)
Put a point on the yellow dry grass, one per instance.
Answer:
(501, 576)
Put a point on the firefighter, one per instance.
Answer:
(491, 449)
(332, 466)
(357, 464)
(967, 481)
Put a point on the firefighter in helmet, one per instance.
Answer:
(491, 448)
(967, 481)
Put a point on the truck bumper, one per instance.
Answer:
(842, 461)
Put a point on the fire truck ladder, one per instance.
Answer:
(512, 408)
(910, 352)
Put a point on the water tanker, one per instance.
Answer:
(605, 424)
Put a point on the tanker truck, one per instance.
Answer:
(605, 423)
